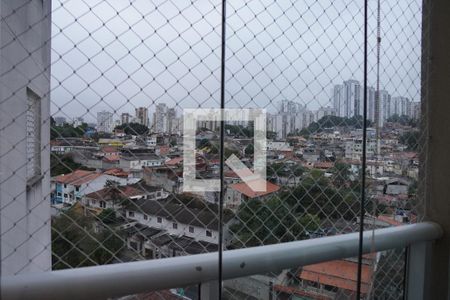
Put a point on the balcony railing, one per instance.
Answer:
(143, 276)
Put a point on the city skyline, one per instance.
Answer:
(151, 110)
(304, 65)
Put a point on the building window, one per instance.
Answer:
(208, 233)
(131, 214)
(159, 219)
(191, 229)
(174, 225)
(65, 195)
(58, 194)
(33, 134)
(145, 217)
(77, 188)
(102, 204)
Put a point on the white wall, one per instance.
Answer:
(182, 229)
(24, 212)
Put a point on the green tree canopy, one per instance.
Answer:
(264, 222)
(76, 244)
(410, 139)
(63, 164)
(249, 150)
(334, 121)
(133, 128)
(67, 130)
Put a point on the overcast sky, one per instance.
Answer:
(116, 55)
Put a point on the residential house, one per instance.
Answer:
(69, 188)
(396, 186)
(172, 229)
(171, 179)
(335, 279)
(135, 159)
(113, 197)
(239, 192)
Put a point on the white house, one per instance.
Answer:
(71, 187)
(178, 220)
(278, 146)
(137, 162)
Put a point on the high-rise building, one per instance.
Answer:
(352, 98)
(142, 115)
(290, 118)
(160, 118)
(171, 116)
(347, 100)
(78, 121)
(322, 112)
(371, 104)
(400, 106)
(177, 126)
(385, 105)
(125, 118)
(59, 121)
(338, 100)
(415, 110)
(105, 121)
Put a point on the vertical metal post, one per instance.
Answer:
(435, 158)
(209, 290)
(418, 262)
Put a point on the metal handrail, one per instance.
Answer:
(136, 277)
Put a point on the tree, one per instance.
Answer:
(277, 169)
(315, 195)
(410, 139)
(271, 221)
(114, 193)
(271, 135)
(249, 150)
(204, 143)
(66, 130)
(108, 217)
(341, 174)
(334, 121)
(63, 164)
(76, 244)
(133, 128)
(402, 120)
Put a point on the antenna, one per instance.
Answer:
(377, 94)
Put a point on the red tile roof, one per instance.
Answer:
(302, 293)
(338, 273)
(124, 191)
(77, 177)
(174, 161)
(324, 165)
(109, 149)
(118, 172)
(243, 188)
(389, 220)
(111, 158)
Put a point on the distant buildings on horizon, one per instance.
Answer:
(291, 117)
